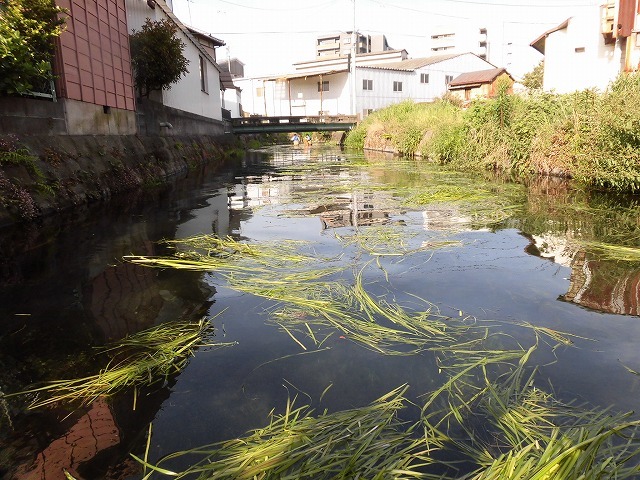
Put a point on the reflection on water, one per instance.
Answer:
(65, 290)
(573, 218)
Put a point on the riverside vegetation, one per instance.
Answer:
(593, 137)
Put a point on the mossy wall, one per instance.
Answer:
(41, 175)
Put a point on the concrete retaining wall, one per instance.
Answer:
(60, 172)
(157, 119)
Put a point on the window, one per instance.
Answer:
(448, 79)
(579, 49)
(323, 86)
(397, 86)
(483, 31)
(203, 74)
(367, 84)
(424, 78)
(260, 92)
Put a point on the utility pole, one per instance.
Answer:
(353, 62)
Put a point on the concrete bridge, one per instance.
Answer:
(325, 123)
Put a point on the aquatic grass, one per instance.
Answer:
(210, 252)
(143, 358)
(374, 323)
(613, 252)
(390, 241)
(512, 429)
(367, 442)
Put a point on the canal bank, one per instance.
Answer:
(42, 174)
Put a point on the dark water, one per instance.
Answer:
(64, 290)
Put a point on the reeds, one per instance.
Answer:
(141, 359)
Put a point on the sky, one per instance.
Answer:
(269, 36)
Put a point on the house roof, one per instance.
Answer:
(358, 55)
(477, 78)
(169, 13)
(412, 64)
(226, 81)
(539, 42)
(291, 76)
(199, 34)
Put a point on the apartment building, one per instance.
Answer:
(338, 44)
(459, 39)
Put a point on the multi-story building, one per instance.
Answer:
(460, 38)
(337, 44)
(591, 50)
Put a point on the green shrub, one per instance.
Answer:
(593, 137)
(156, 56)
(27, 31)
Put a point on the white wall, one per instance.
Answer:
(187, 94)
(566, 70)
(305, 98)
(383, 94)
(232, 100)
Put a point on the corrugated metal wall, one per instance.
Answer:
(93, 60)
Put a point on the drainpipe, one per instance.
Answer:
(321, 94)
(289, 85)
(264, 96)
(353, 62)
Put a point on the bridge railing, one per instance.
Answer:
(297, 120)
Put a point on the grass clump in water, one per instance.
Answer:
(213, 253)
(143, 358)
(367, 442)
(513, 430)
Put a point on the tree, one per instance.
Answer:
(533, 79)
(27, 32)
(156, 56)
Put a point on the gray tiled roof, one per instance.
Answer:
(477, 77)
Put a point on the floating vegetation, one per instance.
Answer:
(213, 253)
(390, 241)
(141, 359)
(613, 252)
(367, 442)
(513, 430)
(376, 324)
(500, 429)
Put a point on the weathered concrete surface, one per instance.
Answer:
(55, 173)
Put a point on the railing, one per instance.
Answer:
(297, 120)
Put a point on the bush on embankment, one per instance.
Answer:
(591, 136)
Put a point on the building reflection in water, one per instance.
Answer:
(602, 285)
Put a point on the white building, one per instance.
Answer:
(199, 91)
(591, 50)
(324, 87)
(460, 38)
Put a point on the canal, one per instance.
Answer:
(531, 268)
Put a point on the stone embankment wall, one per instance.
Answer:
(42, 175)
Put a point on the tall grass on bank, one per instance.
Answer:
(588, 135)
(141, 359)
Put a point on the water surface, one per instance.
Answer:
(520, 258)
